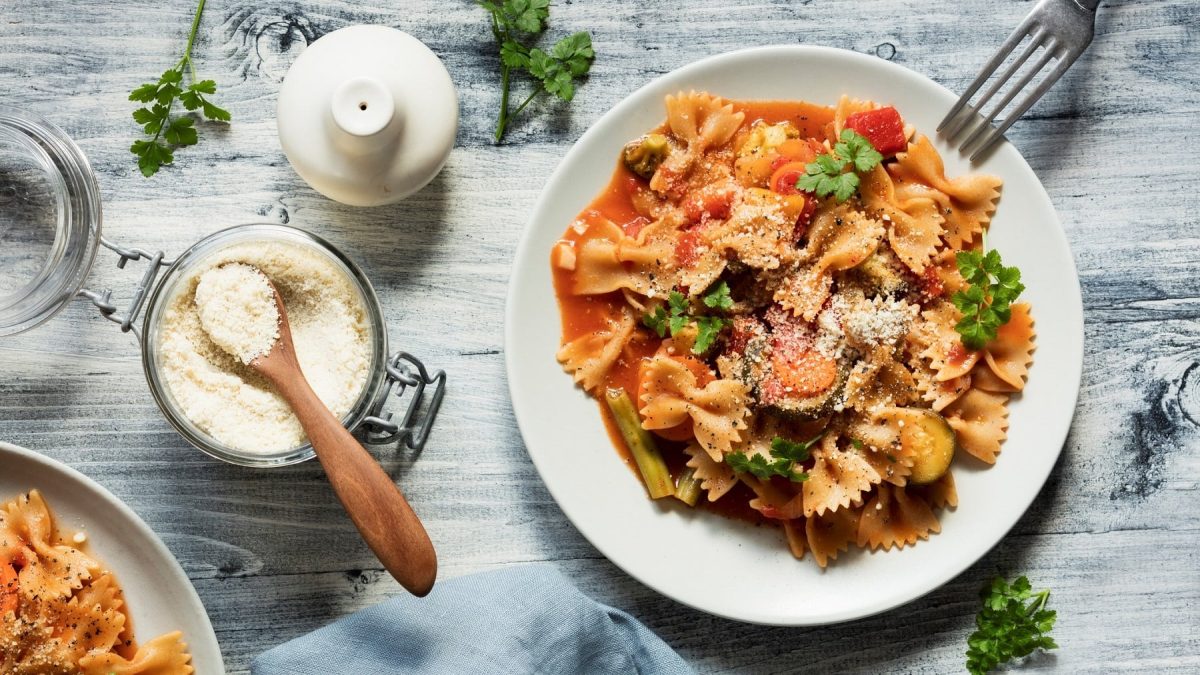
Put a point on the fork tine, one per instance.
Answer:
(1002, 53)
(1034, 42)
(1061, 67)
(1051, 48)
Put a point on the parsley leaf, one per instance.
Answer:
(785, 454)
(718, 297)
(677, 317)
(515, 25)
(709, 327)
(827, 175)
(986, 304)
(167, 133)
(1012, 623)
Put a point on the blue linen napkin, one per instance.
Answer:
(525, 619)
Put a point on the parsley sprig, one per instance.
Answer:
(169, 133)
(516, 23)
(677, 316)
(827, 174)
(1013, 623)
(786, 454)
(986, 303)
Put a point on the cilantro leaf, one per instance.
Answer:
(1012, 623)
(986, 304)
(718, 297)
(165, 132)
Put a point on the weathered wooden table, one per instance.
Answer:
(1114, 532)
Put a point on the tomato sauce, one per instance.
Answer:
(583, 314)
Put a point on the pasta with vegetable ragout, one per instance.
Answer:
(61, 611)
(796, 300)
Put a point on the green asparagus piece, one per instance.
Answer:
(687, 487)
(650, 463)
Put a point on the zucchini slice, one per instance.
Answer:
(931, 441)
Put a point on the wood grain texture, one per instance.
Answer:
(1114, 533)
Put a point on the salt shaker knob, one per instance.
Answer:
(367, 115)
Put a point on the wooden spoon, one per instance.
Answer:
(379, 511)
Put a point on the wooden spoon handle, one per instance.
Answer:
(379, 511)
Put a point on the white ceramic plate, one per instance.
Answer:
(729, 568)
(160, 597)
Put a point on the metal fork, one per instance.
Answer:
(1062, 29)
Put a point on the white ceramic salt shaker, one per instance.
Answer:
(367, 115)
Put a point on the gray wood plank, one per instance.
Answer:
(1114, 533)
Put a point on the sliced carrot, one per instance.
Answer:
(797, 150)
(783, 181)
(805, 372)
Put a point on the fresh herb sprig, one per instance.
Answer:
(986, 303)
(516, 24)
(827, 174)
(169, 133)
(1013, 623)
(677, 316)
(786, 455)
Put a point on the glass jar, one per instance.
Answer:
(50, 232)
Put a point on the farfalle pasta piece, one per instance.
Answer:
(967, 202)
(944, 351)
(164, 655)
(700, 121)
(796, 537)
(716, 478)
(895, 518)
(878, 381)
(589, 357)
(839, 239)
(830, 534)
(58, 569)
(1009, 355)
(877, 440)
(759, 231)
(980, 421)
(846, 107)
(914, 225)
(671, 395)
(837, 479)
(607, 260)
(938, 394)
(939, 494)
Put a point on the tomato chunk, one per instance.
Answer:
(8, 588)
(708, 203)
(687, 249)
(883, 127)
(805, 217)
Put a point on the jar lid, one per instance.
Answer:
(49, 220)
(367, 115)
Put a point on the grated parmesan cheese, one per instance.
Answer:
(237, 309)
(228, 400)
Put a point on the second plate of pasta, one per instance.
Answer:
(787, 305)
(75, 558)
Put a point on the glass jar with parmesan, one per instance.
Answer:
(50, 234)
